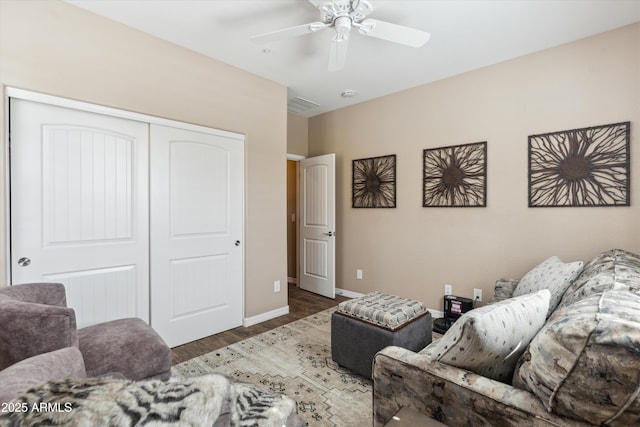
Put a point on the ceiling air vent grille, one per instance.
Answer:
(299, 105)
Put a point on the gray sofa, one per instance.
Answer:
(39, 341)
(112, 373)
(581, 366)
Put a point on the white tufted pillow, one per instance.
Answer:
(490, 339)
(552, 274)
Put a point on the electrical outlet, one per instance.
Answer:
(359, 274)
(276, 286)
(448, 290)
(477, 295)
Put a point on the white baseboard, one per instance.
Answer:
(348, 294)
(254, 320)
(436, 313)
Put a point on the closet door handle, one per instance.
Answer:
(237, 243)
(24, 262)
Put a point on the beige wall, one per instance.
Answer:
(412, 250)
(58, 49)
(297, 135)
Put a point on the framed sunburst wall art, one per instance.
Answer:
(580, 167)
(374, 182)
(455, 176)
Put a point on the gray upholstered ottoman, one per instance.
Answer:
(363, 326)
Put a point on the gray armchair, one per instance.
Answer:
(36, 321)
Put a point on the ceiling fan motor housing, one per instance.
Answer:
(342, 25)
(355, 11)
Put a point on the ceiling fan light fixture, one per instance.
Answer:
(349, 93)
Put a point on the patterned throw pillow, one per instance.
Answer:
(585, 361)
(552, 274)
(503, 290)
(611, 270)
(490, 339)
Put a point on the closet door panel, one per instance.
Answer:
(196, 233)
(79, 208)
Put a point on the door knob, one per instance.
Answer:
(237, 243)
(24, 261)
(330, 233)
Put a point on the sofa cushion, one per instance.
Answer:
(490, 339)
(59, 364)
(615, 269)
(552, 274)
(584, 363)
(126, 346)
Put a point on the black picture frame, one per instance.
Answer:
(373, 182)
(585, 167)
(455, 176)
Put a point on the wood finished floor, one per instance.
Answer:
(301, 304)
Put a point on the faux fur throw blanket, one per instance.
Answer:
(198, 401)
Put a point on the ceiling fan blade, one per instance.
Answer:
(393, 32)
(289, 32)
(338, 52)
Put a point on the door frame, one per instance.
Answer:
(12, 92)
(296, 158)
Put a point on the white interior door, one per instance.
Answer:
(79, 208)
(197, 281)
(317, 245)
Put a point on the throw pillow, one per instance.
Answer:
(503, 290)
(552, 274)
(490, 339)
(585, 361)
(611, 270)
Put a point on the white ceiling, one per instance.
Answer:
(465, 35)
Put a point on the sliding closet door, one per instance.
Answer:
(197, 181)
(79, 208)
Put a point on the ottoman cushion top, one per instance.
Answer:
(387, 311)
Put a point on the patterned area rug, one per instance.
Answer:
(294, 359)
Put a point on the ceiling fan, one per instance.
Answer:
(342, 16)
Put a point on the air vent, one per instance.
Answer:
(299, 105)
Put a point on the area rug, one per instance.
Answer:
(294, 359)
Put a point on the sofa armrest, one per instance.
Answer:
(454, 396)
(39, 293)
(29, 329)
(55, 365)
